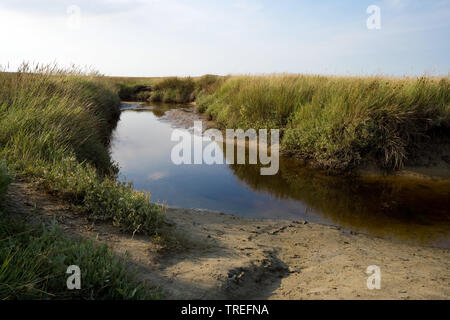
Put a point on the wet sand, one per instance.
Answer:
(221, 256)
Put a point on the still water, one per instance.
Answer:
(398, 208)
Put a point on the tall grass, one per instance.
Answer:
(130, 91)
(54, 126)
(183, 90)
(54, 129)
(174, 90)
(167, 90)
(337, 123)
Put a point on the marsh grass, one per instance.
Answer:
(54, 129)
(54, 126)
(167, 89)
(339, 124)
(130, 91)
(183, 90)
(34, 263)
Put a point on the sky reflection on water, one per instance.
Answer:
(397, 208)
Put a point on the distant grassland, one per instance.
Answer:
(166, 90)
(338, 123)
(54, 130)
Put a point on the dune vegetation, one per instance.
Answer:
(336, 123)
(54, 131)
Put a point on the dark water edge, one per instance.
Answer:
(400, 208)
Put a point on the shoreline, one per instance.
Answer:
(211, 255)
(384, 215)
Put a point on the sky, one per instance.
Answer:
(196, 37)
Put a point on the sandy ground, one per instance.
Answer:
(221, 256)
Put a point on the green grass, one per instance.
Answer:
(338, 124)
(5, 179)
(54, 130)
(54, 127)
(174, 90)
(130, 91)
(166, 90)
(33, 264)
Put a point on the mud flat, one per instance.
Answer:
(221, 256)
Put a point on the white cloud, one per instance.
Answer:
(175, 37)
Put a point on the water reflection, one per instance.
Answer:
(401, 208)
(398, 208)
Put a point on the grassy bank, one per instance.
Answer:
(54, 130)
(166, 90)
(33, 263)
(338, 124)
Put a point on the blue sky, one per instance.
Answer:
(181, 37)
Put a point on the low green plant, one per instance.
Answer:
(103, 198)
(34, 263)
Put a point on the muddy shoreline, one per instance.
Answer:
(221, 256)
